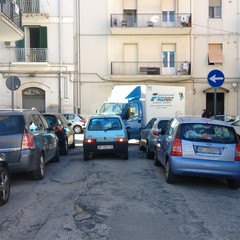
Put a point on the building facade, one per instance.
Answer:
(159, 42)
(74, 52)
(43, 60)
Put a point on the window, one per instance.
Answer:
(215, 55)
(131, 111)
(129, 18)
(33, 48)
(215, 8)
(151, 123)
(168, 16)
(10, 125)
(168, 59)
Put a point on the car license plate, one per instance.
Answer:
(104, 147)
(210, 150)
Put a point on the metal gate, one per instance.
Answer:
(33, 97)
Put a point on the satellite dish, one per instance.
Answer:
(155, 18)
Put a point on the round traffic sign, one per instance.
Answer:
(216, 78)
(13, 82)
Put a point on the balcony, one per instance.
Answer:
(151, 68)
(29, 55)
(156, 23)
(37, 9)
(10, 21)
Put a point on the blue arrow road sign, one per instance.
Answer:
(216, 78)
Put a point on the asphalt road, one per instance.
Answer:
(108, 198)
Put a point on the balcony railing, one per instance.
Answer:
(151, 68)
(11, 11)
(30, 55)
(33, 6)
(159, 20)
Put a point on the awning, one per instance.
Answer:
(219, 88)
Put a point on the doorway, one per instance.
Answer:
(33, 97)
(219, 104)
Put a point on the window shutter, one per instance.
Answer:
(168, 5)
(43, 37)
(215, 54)
(20, 44)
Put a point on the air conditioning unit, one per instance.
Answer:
(9, 44)
(185, 66)
(184, 19)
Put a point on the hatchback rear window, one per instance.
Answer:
(207, 132)
(11, 125)
(102, 124)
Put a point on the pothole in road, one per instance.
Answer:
(81, 214)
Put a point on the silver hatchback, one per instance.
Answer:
(150, 133)
(199, 147)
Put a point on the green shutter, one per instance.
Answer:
(43, 37)
(20, 44)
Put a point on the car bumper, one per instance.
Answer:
(104, 147)
(26, 163)
(193, 167)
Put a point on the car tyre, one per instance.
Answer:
(64, 148)
(56, 158)
(149, 155)
(234, 184)
(39, 173)
(125, 155)
(77, 129)
(141, 148)
(85, 155)
(156, 161)
(73, 144)
(4, 185)
(170, 177)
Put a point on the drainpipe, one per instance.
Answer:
(238, 57)
(78, 105)
(60, 57)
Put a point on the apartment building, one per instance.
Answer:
(10, 21)
(43, 60)
(159, 42)
(74, 52)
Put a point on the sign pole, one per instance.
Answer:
(215, 102)
(215, 79)
(12, 87)
(13, 83)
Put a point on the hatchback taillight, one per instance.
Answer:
(237, 153)
(89, 140)
(120, 140)
(27, 141)
(177, 147)
(58, 128)
(155, 133)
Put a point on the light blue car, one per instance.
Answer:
(199, 147)
(105, 134)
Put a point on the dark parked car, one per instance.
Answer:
(78, 122)
(4, 180)
(200, 147)
(65, 134)
(150, 133)
(27, 141)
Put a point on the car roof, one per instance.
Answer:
(104, 116)
(17, 111)
(201, 120)
(52, 113)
